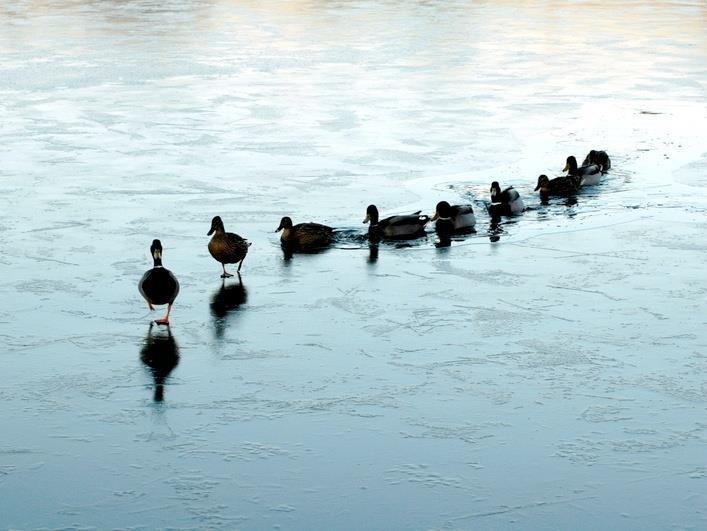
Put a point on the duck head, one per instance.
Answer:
(495, 192)
(156, 252)
(285, 224)
(216, 226)
(543, 184)
(442, 211)
(571, 165)
(371, 215)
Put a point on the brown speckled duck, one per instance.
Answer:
(226, 247)
(304, 236)
(557, 186)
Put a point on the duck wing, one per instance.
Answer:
(590, 169)
(228, 248)
(406, 219)
(312, 234)
(462, 210)
(236, 244)
(509, 195)
(564, 185)
(463, 217)
(405, 226)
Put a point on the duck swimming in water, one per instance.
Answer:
(226, 247)
(598, 157)
(454, 218)
(505, 203)
(304, 236)
(400, 227)
(588, 175)
(158, 285)
(558, 186)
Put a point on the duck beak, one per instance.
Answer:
(210, 232)
(434, 218)
(567, 167)
(157, 254)
(537, 187)
(367, 219)
(279, 228)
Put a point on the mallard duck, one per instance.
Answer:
(598, 157)
(158, 285)
(505, 203)
(406, 226)
(557, 186)
(226, 247)
(304, 236)
(454, 218)
(588, 175)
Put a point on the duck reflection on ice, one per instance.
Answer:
(495, 230)
(568, 201)
(160, 354)
(372, 253)
(444, 233)
(228, 298)
(289, 251)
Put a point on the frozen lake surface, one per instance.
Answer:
(553, 379)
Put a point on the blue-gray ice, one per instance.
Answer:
(553, 379)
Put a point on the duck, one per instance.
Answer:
(405, 226)
(598, 157)
(304, 236)
(588, 175)
(226, 247)
(557, 186)
(505, 203)
(454, 218)
(158, 285)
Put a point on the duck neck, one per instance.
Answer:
(157, 261)
(572, 168)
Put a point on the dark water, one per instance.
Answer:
(552, 379)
